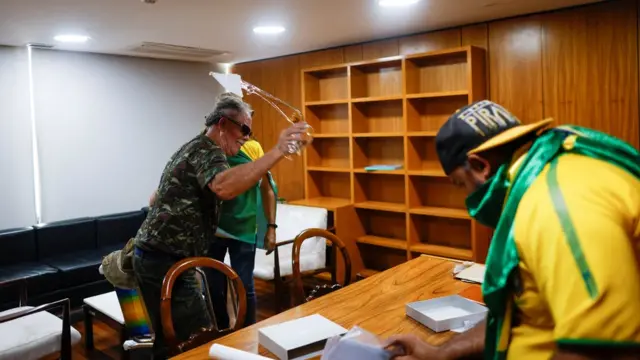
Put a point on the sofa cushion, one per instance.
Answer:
(40, 278)
(64, 237)
(78, 267)
(117, 229)
(17, 245)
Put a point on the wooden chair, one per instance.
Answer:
(206, 334)
(319, 290)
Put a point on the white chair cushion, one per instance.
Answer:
(32, 337)
(107, 304)
(292, 220)
(265, 264)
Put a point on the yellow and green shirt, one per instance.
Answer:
(559, 300)
(253, 149)
(239, 214)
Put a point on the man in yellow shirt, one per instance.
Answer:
(563, 271)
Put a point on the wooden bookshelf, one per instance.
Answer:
(388, 112)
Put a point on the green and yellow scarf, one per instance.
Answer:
(495, 204)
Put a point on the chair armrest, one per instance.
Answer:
(286, 242)
(64, 304)
(65, 345)
(276, 264)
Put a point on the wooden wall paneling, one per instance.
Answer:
(269, 79)
(432, 41)
(380, 49)
(281, 77)
(252, 73)
(321, 58)
(288, 89)
(475, 35)
(590, 68)
(478, 36)
(276, 76)
(515, 59)
(352, 53)
(476, 74)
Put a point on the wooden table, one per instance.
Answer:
(377, 304)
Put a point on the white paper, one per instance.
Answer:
(222, 352)
(474, 273)
(230, 82)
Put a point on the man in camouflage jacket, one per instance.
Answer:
(184, 213)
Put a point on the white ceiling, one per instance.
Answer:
(117, 26)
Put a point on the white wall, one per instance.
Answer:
(17, 206)
(107, 125)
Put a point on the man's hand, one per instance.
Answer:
(270, 240)
(414, 348)
(152, 199)
(291, 139)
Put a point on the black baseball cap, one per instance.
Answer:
(478, 127)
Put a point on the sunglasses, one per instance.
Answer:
(245, 129)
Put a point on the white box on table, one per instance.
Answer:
(446, 313)
(299, 338)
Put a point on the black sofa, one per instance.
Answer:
(61, 259)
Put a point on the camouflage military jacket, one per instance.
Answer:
(185, 213)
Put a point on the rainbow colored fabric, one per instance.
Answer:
(135, 315)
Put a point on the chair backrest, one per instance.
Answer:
(18, 245)
(117, 229)
(208, 334)
(292, 220)
(297, 274)
(66, 236)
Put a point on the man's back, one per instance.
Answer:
(577, 231)
(185, 213)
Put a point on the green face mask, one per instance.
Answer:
(485, 203)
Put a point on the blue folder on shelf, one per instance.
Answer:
(382, 167)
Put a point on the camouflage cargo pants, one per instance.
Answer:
(188, 307)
